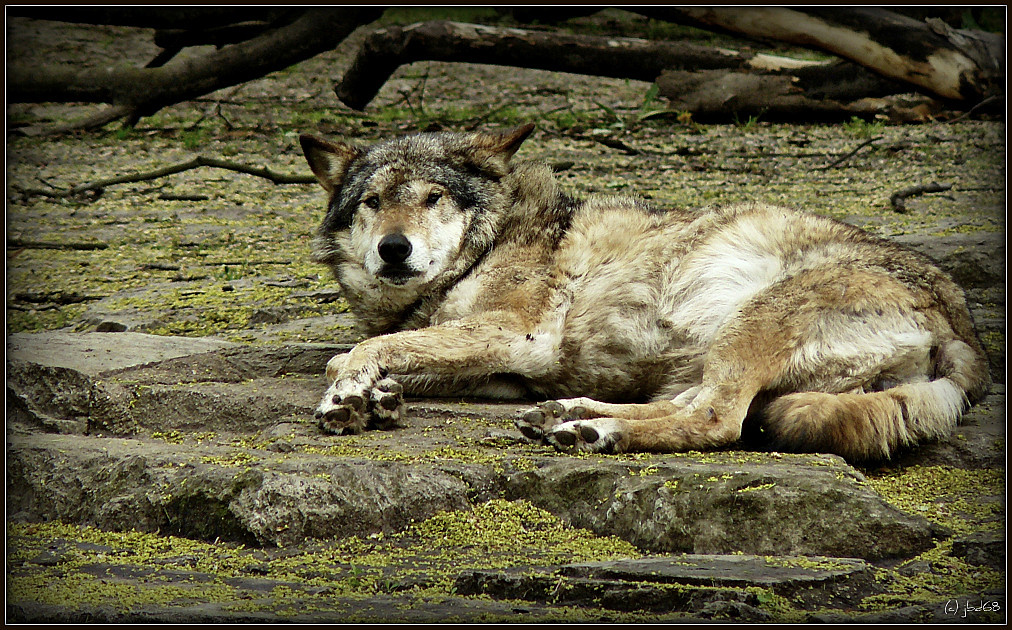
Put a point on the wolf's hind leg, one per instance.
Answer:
(712, 419)
(536, 422)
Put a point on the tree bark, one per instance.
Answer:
(957, 65)
(388, 48)
(833, 92)
(146, 90)
(189, 18)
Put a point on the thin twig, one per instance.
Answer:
(849, 155)
(54, 298)
(99, 119)
(15, 243)
(197, 162)
(984, 103)
(898, 199)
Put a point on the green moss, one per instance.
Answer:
(779, 607)
(420, 562)
(236, 460)
(961, 500)
(172, 437)
(946, 578)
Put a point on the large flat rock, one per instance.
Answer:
(94, 353)
(215, 441)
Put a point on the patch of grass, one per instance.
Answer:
(862, 128)
(749, 124)
(409, 14)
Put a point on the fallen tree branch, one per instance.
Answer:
(144, 91)
(197, 162)
(958, 65)
(386, 49)
(898, 199)
(833, 92)
(713, 84)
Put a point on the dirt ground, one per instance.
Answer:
(243, 477)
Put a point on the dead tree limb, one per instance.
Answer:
(958, 65)
(386, 49)
(834, 92)
(157, 17)
(146, 90)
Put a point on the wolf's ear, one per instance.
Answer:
(509, 141)
(328, 161)
(500, 147)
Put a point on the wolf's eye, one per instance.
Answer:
(372, 201)
(433, 198)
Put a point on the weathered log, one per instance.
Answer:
(834, 92)
(146, 90)
(959, 65)
(165, 17)
(386, 49)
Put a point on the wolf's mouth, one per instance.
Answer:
(397, 274)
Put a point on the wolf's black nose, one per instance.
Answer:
(394, 248)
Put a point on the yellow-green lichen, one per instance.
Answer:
(945, 578)
(961, 500)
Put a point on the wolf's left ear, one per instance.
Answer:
(328, 160)
(510, 141)
(501, 146)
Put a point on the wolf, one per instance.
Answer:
(639, 329)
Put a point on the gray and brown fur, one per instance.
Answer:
(657, 331)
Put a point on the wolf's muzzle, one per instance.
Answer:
(394, 248)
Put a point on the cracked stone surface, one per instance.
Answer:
(214, 441)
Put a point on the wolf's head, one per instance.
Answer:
(406, 212)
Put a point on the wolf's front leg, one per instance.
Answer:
(362, 395)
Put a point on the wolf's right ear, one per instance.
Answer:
(328, 160)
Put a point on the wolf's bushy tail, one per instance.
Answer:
(870, 426)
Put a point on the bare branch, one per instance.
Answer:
(386, 49)
(958, 65)
(849, 154)
(146, 90)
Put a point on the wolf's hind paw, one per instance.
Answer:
(600, 435)
(535, 423)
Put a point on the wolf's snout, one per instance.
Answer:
(394, 248)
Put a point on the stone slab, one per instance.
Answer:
(94, 353)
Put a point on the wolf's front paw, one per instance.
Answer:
(348, 410)
(535, 423)
(599, 435)
(386, 404)
(342, 414)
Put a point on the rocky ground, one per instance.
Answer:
(165, 349)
